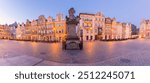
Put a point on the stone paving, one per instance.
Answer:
(120, 53)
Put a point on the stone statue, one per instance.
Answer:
(72, 18)
(72, 40)
(71, 13)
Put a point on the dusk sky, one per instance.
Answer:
(124, 10)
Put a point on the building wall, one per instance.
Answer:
(20, 31)
(5, 32)
(60, 29)
(90, 25)
(107, 32)
(128, 31)
(145, 29)
(114, 30)
(99, 24)
(44, 29)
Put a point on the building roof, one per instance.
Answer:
(108, 20)
(86, 14)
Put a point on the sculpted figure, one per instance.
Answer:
(71, 13)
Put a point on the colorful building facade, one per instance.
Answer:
(91, 27)
(116, 30)
(43, 29)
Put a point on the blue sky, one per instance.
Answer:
(124, 10)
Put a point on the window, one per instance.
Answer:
(59, 31)
(87, 37)
(91, 37)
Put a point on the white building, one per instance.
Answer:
(128, 31)
(90, 26)
(20, 31)
(145, 29)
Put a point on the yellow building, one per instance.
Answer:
(43, 29)
(5, 32)
(60, 28)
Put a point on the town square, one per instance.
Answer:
(75, 38)
(98, 53)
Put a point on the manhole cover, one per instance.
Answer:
(125, 60)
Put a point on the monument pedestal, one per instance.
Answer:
(73, 44)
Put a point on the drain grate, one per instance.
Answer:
(125, 60)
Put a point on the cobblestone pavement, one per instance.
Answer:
(98, 53)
